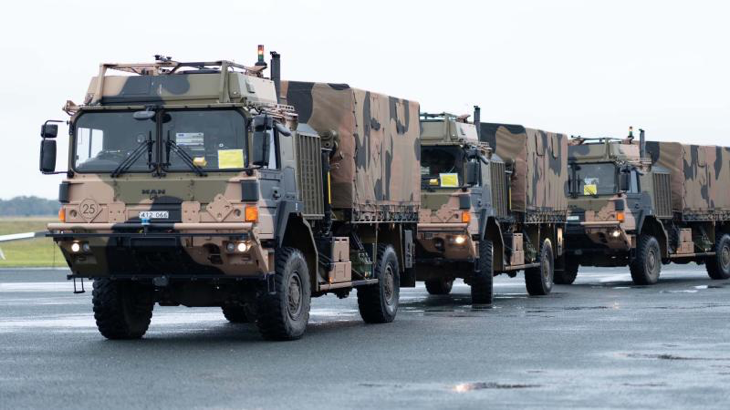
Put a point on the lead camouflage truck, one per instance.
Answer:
(647, 203)
(193, 184)
(490, 204)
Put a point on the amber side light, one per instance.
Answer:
(252, 214)
(465, 217)
(62, 215)
(620, 216)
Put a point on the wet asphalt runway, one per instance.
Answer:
(600, 343)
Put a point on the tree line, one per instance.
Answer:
(28, 206)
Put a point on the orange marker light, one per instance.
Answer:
(465, 217)
(261, 53)
(620, 216)
(252, 214)
(62, 215)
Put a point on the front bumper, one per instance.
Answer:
(439, 241)
(173, 250)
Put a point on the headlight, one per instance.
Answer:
(616, 233)
(460, 239)
(75, 247)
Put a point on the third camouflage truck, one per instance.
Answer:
(206, 184)
(491, 202)
(642, 204)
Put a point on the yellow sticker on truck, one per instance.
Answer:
(230, 158)
(449, 180)
(590, 189)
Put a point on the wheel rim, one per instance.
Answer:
(651, 261)
(725, 257)
(295, 296)
(388, 285)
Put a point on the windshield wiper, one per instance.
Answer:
(134, 156)
(171, 145)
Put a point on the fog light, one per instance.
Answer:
(75, 247)
(86, 247)
(460, 239)
(242, 247)
(231, 247)
(616, 233)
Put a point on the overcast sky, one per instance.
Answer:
(577, 67)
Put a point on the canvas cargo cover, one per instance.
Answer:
(377, 158)
(699, 175)
(540, 165)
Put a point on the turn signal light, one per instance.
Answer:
(465, 217)
(62, 215)
(620, 216)
(252, 214)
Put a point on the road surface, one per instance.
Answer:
(601, 343)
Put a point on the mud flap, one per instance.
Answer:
(408, 276)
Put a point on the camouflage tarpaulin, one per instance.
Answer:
(697, 174)
(540, 169)
(377, 158)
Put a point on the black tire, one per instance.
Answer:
(379, 303)
(647, 265)
(235, 313)
(567, 275)
(539, 280)
(440, 286)
(482, 281)
(284, 314)
(718, 266)
(122, 308)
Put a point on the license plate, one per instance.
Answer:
(574, 218)
(154, 215)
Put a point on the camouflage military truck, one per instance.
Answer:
(489, 204)
(642, 204)
(194, 184)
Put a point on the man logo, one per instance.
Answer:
(153, 193)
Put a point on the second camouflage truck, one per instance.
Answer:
(191, 184)
(642, 204)
(491, 202)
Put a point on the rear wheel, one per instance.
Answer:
(567, 275)
(284, 314)
(482, 289)
(718, 266)
(379, 303)
(647, 265)
(122, 308)
(539, 280)
(440, 286)
(235, 313)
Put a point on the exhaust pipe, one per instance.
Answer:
(276, 73)
(477, 121)
(642, 144)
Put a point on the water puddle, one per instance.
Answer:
(467, 387)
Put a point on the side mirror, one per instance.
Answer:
(49, 130)
(472, 172)
(260, 153)
(624, 181)
(48, 156)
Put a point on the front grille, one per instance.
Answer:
(309, 174)
(499, 188)
(662, 195)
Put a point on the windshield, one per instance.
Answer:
(103, 140)
(441, 166)
(215, 140)
(198, 139)
(595, 179)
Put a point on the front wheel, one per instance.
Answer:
(718, 266)
(284, 314)
(379, 303)
(482, 281)
(568, 274)
(647, 265)
(122, 308)
(539, 280)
